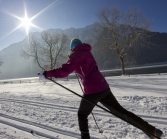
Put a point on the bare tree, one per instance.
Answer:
(122, 31)
(48, 51)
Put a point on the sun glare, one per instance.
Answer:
(26, 22)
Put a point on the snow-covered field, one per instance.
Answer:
(51, 111)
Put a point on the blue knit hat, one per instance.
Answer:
(74, 42)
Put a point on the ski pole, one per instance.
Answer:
(100, 131)
(113, 112)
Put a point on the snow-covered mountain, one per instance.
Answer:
(16, 66)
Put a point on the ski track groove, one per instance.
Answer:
(41, 126)
(154, 119)
(26, 129)
(49, 128)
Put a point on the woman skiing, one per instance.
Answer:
(96, 89)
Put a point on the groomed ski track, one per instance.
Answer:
(56, 133)
(39, 129)
(151, 119)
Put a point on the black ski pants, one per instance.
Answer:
(109, 101)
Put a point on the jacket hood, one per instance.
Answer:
(82, 47)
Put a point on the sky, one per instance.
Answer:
(63, 14)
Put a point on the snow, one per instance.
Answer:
(51, 111)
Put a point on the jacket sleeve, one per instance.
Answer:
(67, 68)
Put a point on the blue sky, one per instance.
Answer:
(69, 13)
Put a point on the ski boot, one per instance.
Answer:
(157, 133)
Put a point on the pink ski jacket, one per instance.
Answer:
(82, 61)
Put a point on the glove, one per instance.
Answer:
(44, 73)
(42, 78)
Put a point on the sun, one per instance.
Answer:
(26, 22)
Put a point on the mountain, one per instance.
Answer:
(156, 51)
(15, 66)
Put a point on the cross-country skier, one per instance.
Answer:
(96, 89)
